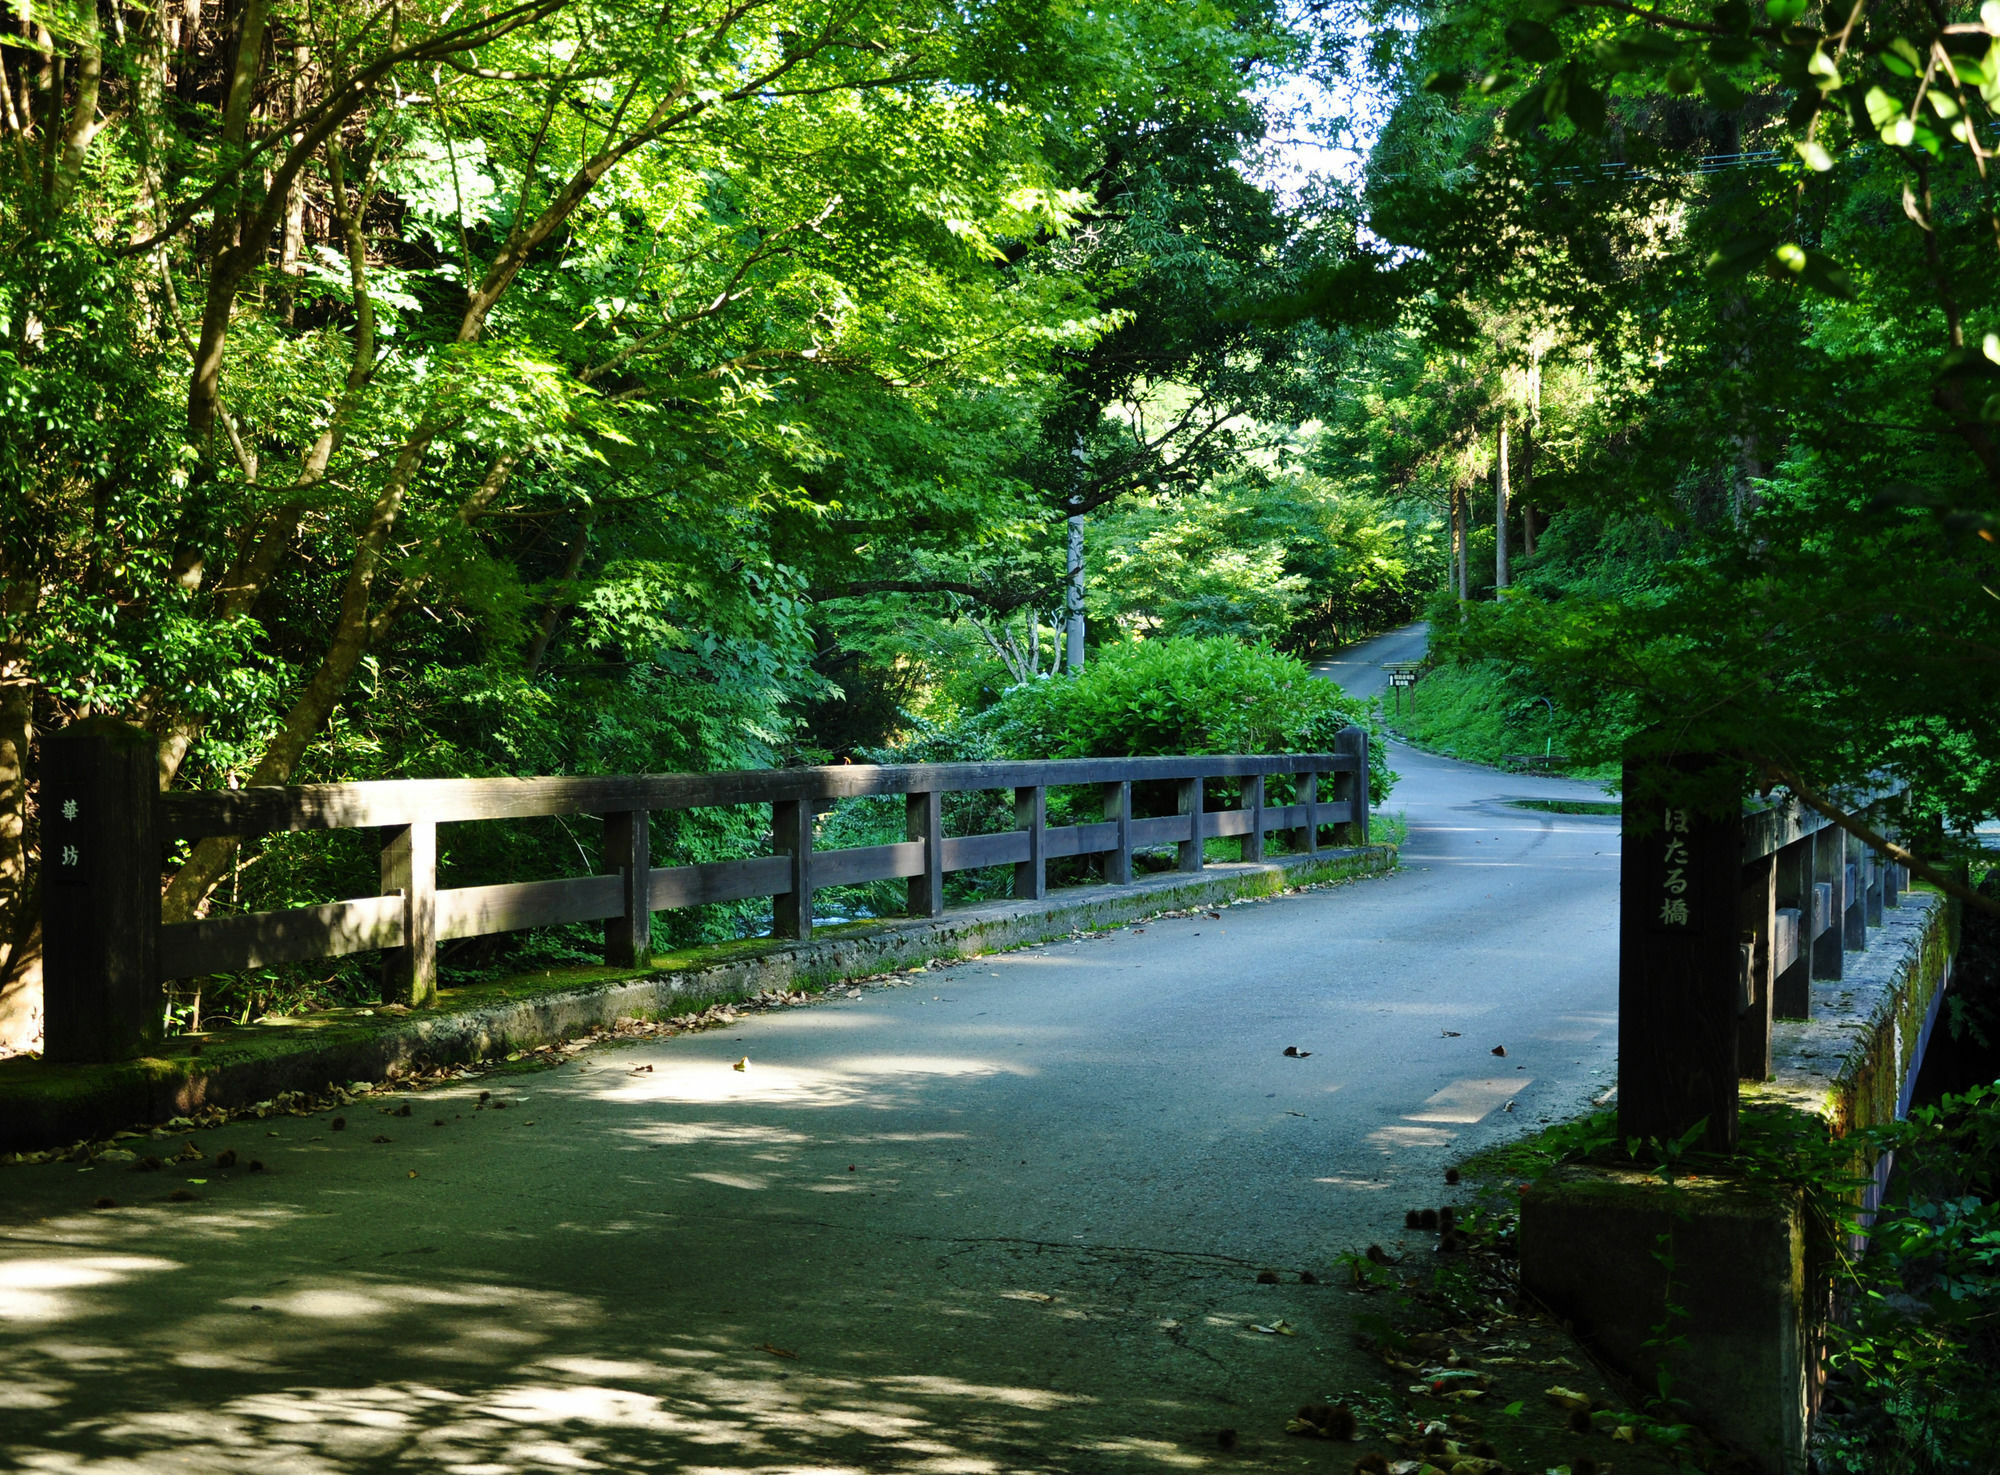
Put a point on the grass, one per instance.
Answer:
(1480, 713)
(1569, 806)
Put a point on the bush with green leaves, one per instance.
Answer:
(1185, 695)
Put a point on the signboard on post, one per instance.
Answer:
(1403, 676)
(1679, 956)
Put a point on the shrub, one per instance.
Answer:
(1182, 695)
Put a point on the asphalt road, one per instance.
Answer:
(1358, 668)
(1002, 1217)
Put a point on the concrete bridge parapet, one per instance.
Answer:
(1748, 1284)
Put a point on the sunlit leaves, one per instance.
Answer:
(1811, 268)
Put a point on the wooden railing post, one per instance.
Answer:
(1875, 873)
(1306, 836)
(924, 820)
(1830, 882)
(1253, 800)
(1031, 813)
(628, 849)
(100, 892)
(409, 867)
(792, 835)
(1118, 809)
(1190, 858)
(1791, 987)
(1854, 908)
(1758, 919)
(1679, 957)
(1352, 744)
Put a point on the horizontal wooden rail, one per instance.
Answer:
(260, 811)
(412, 915)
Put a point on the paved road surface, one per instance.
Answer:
(1008, 1216)
(1358, 668)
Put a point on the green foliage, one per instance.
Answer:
(1186, 695)
(1295, 561)
(1914, 1358)
(1488, 711)
(1731, 271)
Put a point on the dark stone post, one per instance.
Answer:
(100, 892)
(1679, 956)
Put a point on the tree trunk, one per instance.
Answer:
(1073, 597)
(20, 931)
(1458, 531)
(1501, 575)
(560, 597)
(1527, 467)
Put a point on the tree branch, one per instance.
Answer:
(1873, 839)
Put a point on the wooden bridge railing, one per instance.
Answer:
(107, 953)
(1725, 922)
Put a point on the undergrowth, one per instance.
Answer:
(1484, 712)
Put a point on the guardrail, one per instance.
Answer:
(104, 826)
(1725, 922)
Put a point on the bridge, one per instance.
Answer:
(1071, 1207)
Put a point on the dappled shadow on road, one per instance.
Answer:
(370, 1371)
(687, 1268)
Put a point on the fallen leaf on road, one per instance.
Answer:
(1296, 1053)
(1043, 1296)
(1275, 1329)
(1449, 1034)
(775, 1351)
(743, 1064)
(640, 1070)
(1499, 1049)
(1567, 1397)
